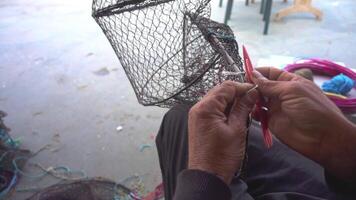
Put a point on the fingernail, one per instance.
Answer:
(257, 74)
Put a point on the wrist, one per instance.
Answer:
(338, 149)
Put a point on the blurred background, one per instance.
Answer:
(62, 85)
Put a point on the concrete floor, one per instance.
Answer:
(298, 35)
(50, 51)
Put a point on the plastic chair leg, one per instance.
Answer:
(267, 15)
(228, 11)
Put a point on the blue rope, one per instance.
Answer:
(18, 171)
(7, 140)
(65, 169)
(8, 188)
(221, 35)
(3, 156)
(10, 143)
(340, 84)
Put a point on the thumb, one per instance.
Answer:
(242, 108)
(267, 87)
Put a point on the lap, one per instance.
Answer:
(275, 173)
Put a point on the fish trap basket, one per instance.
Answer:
(170, 50)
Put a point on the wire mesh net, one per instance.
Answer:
(171, 53)
(90, 189)
(170, 50)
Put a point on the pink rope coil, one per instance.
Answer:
(329, 68)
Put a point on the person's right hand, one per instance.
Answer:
(303, 118)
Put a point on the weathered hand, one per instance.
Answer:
(217, 129)
(302, 117)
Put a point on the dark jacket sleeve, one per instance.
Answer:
(200, 185)
(340, 186)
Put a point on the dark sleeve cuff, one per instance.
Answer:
(199, 185)
(338, 185)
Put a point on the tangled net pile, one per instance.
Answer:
(170, 51)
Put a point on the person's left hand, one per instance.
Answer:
(217, 129)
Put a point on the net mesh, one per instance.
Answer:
(170, 50)
(90, 189)
(171, 53)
